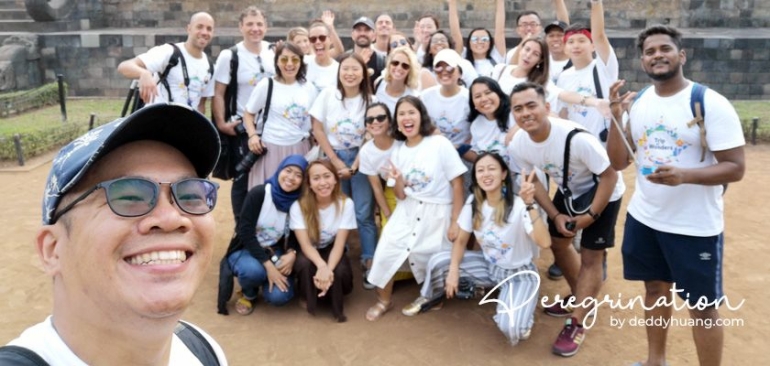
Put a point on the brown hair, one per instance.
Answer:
(308, 203)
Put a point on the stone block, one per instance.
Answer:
(761, 54)
(95, 72)
(89, 40)
(128, 41)
(736, 54)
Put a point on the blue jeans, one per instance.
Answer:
(360, 191)
(251, 274)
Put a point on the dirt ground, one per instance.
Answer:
(463, 333)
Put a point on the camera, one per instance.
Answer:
(465, 289)
(570, 225)
(248, 161)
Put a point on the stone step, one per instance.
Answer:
(14, 14)
(29, 25)
(11, 4)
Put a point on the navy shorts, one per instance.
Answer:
(600, 234)
(692, 263)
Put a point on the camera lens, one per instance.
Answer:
(247, 162)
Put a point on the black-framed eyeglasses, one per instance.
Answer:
(134, 197)
(379, 118)
(400, 42)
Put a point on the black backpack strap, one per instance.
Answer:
(231, 92)
(597, 85)
(565, 170)
(197, 344)
(567, 65)
(267, 102)
(172, 62)
(21, 356)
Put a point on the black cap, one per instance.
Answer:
(364, 20)
(556, 24)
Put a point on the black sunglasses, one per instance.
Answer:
(133, 197)
(400, 42)
(403, 65)
(379, 118)
(321, 38)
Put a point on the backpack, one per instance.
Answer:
(194, 340)
(175, 59)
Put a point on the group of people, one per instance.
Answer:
(455, 143)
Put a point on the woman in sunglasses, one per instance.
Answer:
(510, 230)
(321, 219)
(533, 65)
(338, 126)
(427, 177)
(287, 127)
(321, 66)
(447, 103)
(481, 49)
(262, 254)
(374, 158)
(438, 41)
(399, 78)
(397, 39)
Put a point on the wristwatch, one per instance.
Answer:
(593, 215)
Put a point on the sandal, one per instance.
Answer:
(244, 306)
(377, 310)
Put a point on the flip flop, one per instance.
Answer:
(244, 306)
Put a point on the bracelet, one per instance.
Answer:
(593, 215)
(250, 136)
(555, 216)
(583, 101)
(530, 206)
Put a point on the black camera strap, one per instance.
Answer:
(565, 170)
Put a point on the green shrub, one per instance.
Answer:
(17, 102)
(41, 141)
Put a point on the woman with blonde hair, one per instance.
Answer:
(321, 219)
(299, 36)
(399, 78)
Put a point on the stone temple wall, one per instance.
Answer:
(478, 13)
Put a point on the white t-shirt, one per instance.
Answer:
(450, 114)
(156, 60)
(582, 82)
(390, 101)
(508, 81)
(288, 120)
(373, 161)
(483, 66)
(330, 220)
(486, 136)
(343, 120)
(662, 137)
(509, 54)
(252, 68)
(428, 169)
(43, 339)
(271, 222)
(587, 155)
(508, 246)
(321, 77)
(556, 67)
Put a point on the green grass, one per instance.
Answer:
(747, 110)
(78, 111)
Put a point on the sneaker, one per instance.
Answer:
(554, 272)
(368, 285)
(569, 340)
(560, 310)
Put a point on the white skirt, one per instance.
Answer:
(415, 231)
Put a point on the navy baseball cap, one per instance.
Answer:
(365, 21)
(555, 24)
(175, 124)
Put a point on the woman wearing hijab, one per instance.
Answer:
(264, 251)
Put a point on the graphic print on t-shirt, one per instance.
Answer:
(347, 134)
(297, 114)
(660, 145)
(268, 234)
(417, 179)
(448, 127)
(493, 246)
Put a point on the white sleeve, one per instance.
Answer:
(465, 219)
(591, 152)
(296, 220)
(156, 59)
(611, 70)
(222, 67)
(258, 97)
(365, 164)
(452, 164)
(516, 153)
(348, 219)
(722, 123)
(318, 107)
